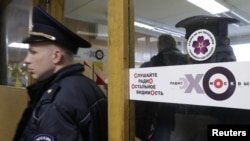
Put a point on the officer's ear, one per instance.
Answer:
(57, 56)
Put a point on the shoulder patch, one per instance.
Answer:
(43, 137)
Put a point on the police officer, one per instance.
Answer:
(64, 104)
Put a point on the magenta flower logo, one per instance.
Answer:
(200, 46)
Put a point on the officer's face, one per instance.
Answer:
(39, 60)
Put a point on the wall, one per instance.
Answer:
(12, 104)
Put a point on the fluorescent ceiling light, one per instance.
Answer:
(103, 30)
(18, 45)
(244, 19)
(209, 5)
(241, 51)
(157, 29)
(142, 25)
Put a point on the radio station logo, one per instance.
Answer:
(201, 45)
(218, 83)
(99, 54)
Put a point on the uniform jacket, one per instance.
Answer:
(67, 106)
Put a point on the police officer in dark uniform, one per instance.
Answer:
(64, 104)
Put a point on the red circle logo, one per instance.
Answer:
(218, 83)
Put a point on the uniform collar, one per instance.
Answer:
(35, 90)
(69, 70)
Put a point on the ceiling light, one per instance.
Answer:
(158, 29)
(142, 25)
(209, 5)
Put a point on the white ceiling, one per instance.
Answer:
(164, 13)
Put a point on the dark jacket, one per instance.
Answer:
(155, 121)
(167, 57)
(67, 106)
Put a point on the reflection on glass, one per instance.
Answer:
(17, 20)
(17, 75)
(242, 52)
(181, 122)
(88, 19)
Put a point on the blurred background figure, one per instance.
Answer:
(155, 121)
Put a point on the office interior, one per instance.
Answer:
(144, 22)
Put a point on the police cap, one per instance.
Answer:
(48, 29)
(217, 25)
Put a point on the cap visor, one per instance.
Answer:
(35, 39)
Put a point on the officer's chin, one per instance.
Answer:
(34, 76)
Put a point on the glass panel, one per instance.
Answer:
(83, 18)
(16, 23)
(210, 38)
